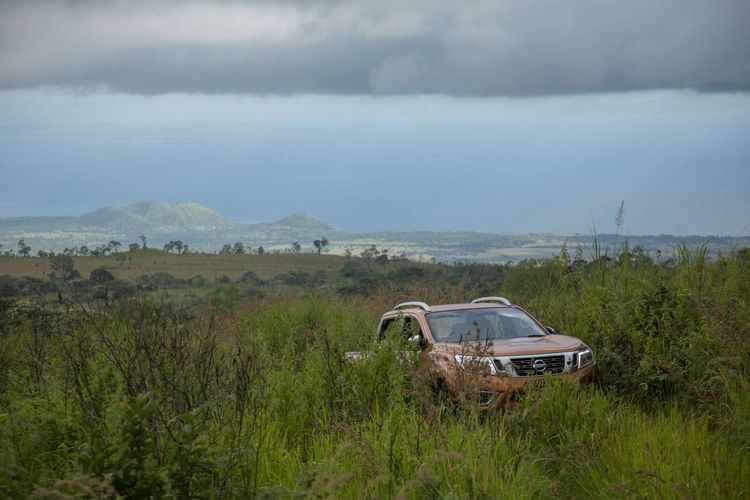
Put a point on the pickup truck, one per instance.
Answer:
(488, 349)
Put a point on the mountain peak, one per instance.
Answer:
(304, 221)
(108, 215)
(149, 209)
(159, 216)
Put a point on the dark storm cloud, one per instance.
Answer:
(520, 47)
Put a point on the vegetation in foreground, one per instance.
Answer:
(254, 397)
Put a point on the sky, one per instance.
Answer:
(506, 115)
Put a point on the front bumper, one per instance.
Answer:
(492, 392)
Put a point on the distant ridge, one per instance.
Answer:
(205, 229)
(157, 215)
(303, 221)
(193, 216)
(107, 216)
(159, 222)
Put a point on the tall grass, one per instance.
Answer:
(259, 400)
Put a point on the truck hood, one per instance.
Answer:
(515, 346)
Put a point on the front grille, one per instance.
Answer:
(524, 367)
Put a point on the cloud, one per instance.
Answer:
(455, 47)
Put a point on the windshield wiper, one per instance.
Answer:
(536, 335)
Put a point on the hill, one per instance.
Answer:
(206, 230)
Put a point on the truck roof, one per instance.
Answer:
(425, 308)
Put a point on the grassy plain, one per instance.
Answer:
(254, 397)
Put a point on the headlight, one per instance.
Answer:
(478, 364)
(584, 358)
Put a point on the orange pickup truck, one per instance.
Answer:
(488, 349)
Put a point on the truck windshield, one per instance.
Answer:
(482, 324)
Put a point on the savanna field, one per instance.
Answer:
(147, 382)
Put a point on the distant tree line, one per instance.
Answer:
(24, 250)
(176, 246)
(110, 248)
(239, 248)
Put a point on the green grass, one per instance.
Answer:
(255, 398)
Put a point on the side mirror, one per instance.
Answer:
(550, 329)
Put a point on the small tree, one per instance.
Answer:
(143, 240)
(320, 244)
(64, 266)
(24, 250)
(238, 248)
(261, 250)
(226, 249)
(383, 257)
(134, 247)
(296, 247)
(370, 253)
(114, 245)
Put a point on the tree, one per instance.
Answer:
(320, 244)
(296, 247)
(114, 245)
(143, 240)
(134, 247)
(261, 250)
(24, 250)
(64, 266)
(238, 248)
(383, 257)
(174, 245)
(185, 249)
(370, 253)
(84, 250)
(226, 249)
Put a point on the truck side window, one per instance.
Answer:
(411, 327)
(387, 324)
(407, 326)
